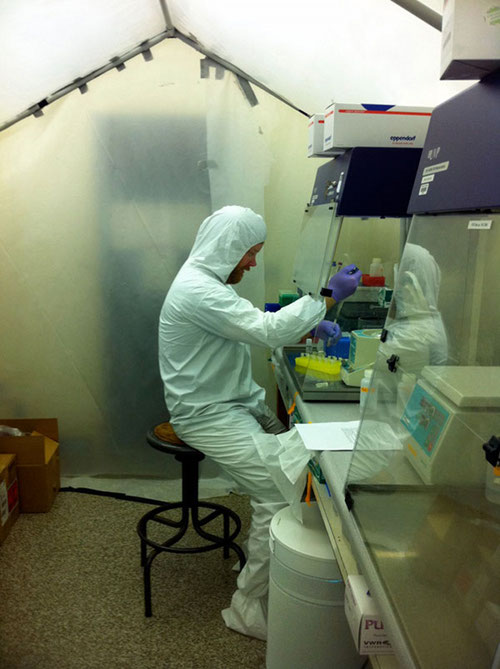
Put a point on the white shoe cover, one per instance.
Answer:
(247, 615)
(244, 547)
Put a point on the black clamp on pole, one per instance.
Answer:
(392, 363)
(492, 451)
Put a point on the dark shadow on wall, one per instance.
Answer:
(150, 160)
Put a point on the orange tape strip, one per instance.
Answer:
(292, 408)
(308, 490)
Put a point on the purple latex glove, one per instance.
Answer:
(345, 282)
(327, 330)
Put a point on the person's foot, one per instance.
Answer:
(247, 615)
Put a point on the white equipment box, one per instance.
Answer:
(470, 46)
(351, 125)
(316, 128)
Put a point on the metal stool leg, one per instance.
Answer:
(189, 506)
(189, 481)
(143, 552)
(225, 550)
(148, 610)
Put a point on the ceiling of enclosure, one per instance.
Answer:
(306, 53)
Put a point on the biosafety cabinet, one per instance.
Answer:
(362, 192)
(362, 183)
(423, 485)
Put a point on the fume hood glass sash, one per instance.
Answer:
(318, 239)
(424, 499)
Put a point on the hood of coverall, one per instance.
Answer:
(419, 278)
(225, 237)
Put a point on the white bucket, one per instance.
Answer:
(307, 628)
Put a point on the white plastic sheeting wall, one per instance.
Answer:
(100, 201)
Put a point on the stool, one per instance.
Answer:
(163, 438)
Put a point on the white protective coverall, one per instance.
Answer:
(205, 333)
(417, 332)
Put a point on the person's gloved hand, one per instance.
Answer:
(327, 330)
(344, 282)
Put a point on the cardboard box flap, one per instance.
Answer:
(6, 460)
(33, 449)
(51, 447)
(46, 426)
(29, 450)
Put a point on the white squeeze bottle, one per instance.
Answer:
(365, 390)
(376, 267)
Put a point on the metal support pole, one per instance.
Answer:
(422, 12)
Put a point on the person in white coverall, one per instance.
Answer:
(415, 329)
(416, 334)
(205, 333)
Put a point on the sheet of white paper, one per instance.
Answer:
(329, 436)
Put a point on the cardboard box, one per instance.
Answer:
(470, 41)
(350, 125)
(9, 498)
(316, 133)
(364, 619)
(37, 461)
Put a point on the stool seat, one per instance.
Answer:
(162, 437)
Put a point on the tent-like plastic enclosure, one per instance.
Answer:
(110, 162)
